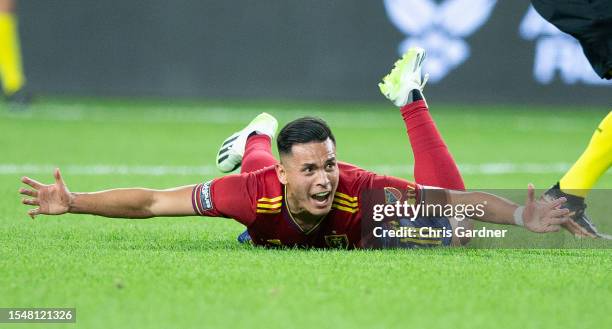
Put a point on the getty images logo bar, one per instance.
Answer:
(442, 26)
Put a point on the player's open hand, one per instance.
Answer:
(543, 216)
(52, 199)
(570, 225)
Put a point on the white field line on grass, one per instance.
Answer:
(396, 169)
(360, 117)
(205, 115)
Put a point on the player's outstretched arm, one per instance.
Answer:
(536, 215)
(56, 199)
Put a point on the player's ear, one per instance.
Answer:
(281, 173)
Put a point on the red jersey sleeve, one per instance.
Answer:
(357, 181)
(231, 196)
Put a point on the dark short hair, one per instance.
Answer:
(301, 131)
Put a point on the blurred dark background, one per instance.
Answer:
(290, 49)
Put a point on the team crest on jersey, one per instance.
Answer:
(392, 195)
(205, 198)
(337, 241)
(411, 192)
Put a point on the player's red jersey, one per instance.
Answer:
(258, 200)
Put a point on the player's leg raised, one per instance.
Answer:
(433, 163)
(249, 147)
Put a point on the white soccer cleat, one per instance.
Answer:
(405, 77)
(231, 151)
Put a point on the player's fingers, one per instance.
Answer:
(576, 229)
(35, 184)
(58, 177)
(587, 233)
(561, 212)
(553, 228)
(31, 202)
(557, 202)
(28, 192)
(572, 227)
(580, 231)
(34, 212)
(577, 232)
(557, 220)
(530, 193)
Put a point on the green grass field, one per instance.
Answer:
(191, 272)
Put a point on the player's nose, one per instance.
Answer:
(323, 179)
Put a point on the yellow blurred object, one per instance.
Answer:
(592, 164)
(11, 71)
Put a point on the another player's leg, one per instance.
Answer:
(249, 147)
(433, 163)
(593, 162)
(580, 179)
(11, 71)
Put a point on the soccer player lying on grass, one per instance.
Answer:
(309, 198)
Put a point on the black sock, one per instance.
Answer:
(415, 95)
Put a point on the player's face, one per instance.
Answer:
(310, 174)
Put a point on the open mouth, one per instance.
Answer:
(321, 198)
